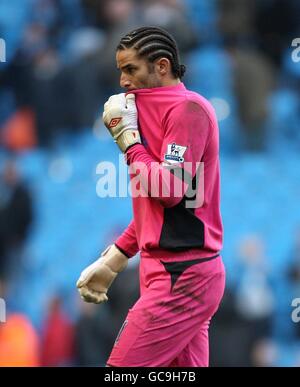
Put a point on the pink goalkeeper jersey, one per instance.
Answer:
(178, 215)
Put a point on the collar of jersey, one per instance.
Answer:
(180, 86)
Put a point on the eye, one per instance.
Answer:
(130, 70)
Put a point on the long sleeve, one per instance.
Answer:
(127, 242)
(187, 130)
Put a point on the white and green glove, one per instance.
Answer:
(120, 118)
(96, 279)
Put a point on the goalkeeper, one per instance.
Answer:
(170, 139)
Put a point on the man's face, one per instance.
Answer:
(136, 73)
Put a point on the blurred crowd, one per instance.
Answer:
(60, 69)
(63, 67)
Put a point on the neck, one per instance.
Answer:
(170, 82)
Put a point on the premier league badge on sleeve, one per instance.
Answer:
(175, 153)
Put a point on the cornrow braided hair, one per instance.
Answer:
(154, 43)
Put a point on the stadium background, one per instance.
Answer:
(59, 70)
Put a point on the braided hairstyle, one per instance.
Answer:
(153, 43)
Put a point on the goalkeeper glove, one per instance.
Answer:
(96, 279)
(120, 118)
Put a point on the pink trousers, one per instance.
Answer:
(168, 325)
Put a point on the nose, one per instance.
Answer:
(124, 82)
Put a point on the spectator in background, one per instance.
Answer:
(81, 80)
(172, 16)
(236, 20)
(254, 294)
(265, 353)
(94, 335)
(226, 327)
(246, 312)
(33, 75)
(57, 344)
(19, 342)
(16, 216)
(48, 94)
(48, 13)
(254, 80)
(254, 73)
(19, 131)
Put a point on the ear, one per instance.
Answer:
(163, 66)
